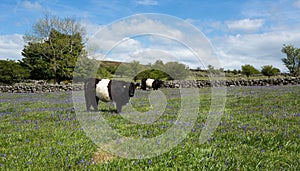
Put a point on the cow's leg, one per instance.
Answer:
(95, 103)
(88, 104)
(119, 107)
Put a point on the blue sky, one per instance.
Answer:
(241, 32)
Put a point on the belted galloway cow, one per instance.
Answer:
(150, 83)
(107, 91)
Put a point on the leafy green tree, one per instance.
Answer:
(43, 27)
(212, 71)
(64, 51)
(158, 74)
(292, 60)
(53, 48)
(12, 72)
(35, 61)
(235, 72)
(103, 72)
(85, 68)
(112, 69)
(249, 70)
(144, 74)
(158, 70)
(133, 69)
(176, 71)
(121, 70)
(170, 71)
(269, 70)
(158, 65)
(152, 73)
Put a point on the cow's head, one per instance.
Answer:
(157, 83)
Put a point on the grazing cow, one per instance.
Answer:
(107, 91)
(151, 83)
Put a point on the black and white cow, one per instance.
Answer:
(150, 83)
(107, 91)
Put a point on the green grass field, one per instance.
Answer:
(260, 130)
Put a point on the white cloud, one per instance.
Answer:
(32, 5)
(248, 25)
(11, 46)
(152, 34)
(297, 4)
(124, 47)
(91, 28)
(108, 37)
(149, 49)
(147, 2)
(255, 49)
(179, 54)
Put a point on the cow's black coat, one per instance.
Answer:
(119, 92)
(155, 85)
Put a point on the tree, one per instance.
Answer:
(12, 72)
(35, 62)
(134, 68)
(121, 69)
(249, 70)
(85, 68)
(292, 60)
(212, 71)
(269, 71)
(158, 70)
(53, 48)
(103, 72)
(144, 74)
(152, 73)
(176, 70)
(235, 72)
(130, 70)
(158, 65)
(44, 26)
(63, 53)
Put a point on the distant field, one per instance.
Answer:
(260, 130)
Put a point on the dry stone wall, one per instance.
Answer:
(43, 87)
(233, 83)
(37, 88)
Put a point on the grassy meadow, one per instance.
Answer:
(260, 130)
